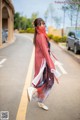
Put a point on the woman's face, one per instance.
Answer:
(42, 24)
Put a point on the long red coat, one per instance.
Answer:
(41, 52)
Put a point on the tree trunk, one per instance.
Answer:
(77, 18)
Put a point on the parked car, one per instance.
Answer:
(73, 41)
(4, 35)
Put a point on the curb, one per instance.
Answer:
(69, 53)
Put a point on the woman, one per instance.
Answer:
(45, 71)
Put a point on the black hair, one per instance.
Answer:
(37, 22)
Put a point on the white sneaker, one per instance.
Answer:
(42, 106)
(30, 91)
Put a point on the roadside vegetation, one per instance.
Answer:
(24, 24)
(57, 39)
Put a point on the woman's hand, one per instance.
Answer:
(56, 73)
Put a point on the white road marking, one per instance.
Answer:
(60, 66)
(2, 61)
(62, 69)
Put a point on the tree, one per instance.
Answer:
(51, 9)
(34, 16)
(71, 9)
(29, 23)
(77, 15)
(64, 8)
(46, 15)
(22, 22)
(57, 21)
(17, 20)
(74, 5)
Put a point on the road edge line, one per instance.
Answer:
(21, 114)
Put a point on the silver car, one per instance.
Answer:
(73, 41)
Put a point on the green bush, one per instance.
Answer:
(57, 39)
(63, 39)
(28, 30)
(50, 36)
(21, 31)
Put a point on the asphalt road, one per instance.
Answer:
(64, 99)
(14, 60)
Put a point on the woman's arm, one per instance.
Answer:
(44, 48)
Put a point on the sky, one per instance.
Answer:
(27, 7)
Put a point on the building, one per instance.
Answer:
(54, 31)
(6, 19)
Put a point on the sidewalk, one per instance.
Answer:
(71, 53)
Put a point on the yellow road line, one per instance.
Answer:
(21, 114)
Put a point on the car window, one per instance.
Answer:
(71, 34)
(78, 34)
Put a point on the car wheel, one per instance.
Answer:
(75, 49)
(68, 48)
